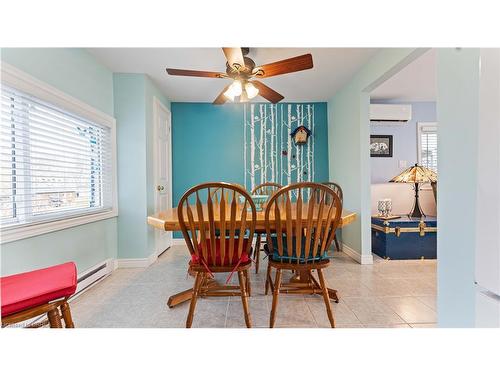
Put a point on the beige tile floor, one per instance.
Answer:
(399, 294)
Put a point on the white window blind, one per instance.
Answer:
(53, 164)
(428, 147)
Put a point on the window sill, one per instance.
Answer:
(19, 233)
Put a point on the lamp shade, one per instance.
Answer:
(416, 175)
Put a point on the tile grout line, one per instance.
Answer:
(227, 311)
(314, 318)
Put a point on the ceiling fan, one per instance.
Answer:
(242, 70)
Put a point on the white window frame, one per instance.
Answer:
(420, 126)
(17, 79)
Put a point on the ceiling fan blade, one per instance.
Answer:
(195, 73)
(221, 98)
(234, 56)
(268, 93)
(291, 65)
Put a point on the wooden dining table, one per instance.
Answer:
(168, 221)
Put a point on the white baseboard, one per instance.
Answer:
(362, 259)
(137, 262)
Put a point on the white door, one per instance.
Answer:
(163, 169)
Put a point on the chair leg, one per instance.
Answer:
(247, 284)
(268, 278)
(66, 314)
(196, 291)
(244, 297)
(54, 318)
(326, 298)
(275, 297)
(256, 255)
(336, 243)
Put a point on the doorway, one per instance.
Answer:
(162, 169)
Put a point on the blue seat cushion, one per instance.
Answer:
(292, 256)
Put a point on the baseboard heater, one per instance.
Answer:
(92, 275)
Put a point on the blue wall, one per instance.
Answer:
(404, 140)
(77, 73)
(208, 144)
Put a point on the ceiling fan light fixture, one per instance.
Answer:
(234, 90)
(251, 90)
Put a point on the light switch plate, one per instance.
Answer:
(403, 164)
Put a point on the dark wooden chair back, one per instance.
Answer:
(233, 214)
(305, 224)
(267, 188)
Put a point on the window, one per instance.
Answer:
(55, 164)
(427, 145)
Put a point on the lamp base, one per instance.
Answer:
(416, 211)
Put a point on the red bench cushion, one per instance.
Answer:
(34, 288)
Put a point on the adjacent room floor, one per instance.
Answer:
(399, 294)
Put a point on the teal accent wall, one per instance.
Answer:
(208, 144)
(133, 107)
(78, 74)
(458, 74)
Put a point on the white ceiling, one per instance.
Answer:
(415, 82)
(333, 67)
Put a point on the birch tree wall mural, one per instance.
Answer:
(270, 154)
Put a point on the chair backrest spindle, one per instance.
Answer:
(308, 224)
(216, 232)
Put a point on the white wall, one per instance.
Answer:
(458, 99)
(488, 187)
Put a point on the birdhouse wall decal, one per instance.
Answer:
(300, 135)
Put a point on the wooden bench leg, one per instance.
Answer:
(66, 314)
(54, 318)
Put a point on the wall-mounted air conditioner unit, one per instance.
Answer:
(390, 112)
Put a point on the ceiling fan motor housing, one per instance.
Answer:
(242, 72)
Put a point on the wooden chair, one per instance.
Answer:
(217, 192)
(202, 225)
(303, 231)
(267, 188)
(44, 291)
(337, 189)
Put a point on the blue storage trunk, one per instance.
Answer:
(405, 238)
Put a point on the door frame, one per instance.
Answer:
(157, 105)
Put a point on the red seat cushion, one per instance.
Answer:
(227, 262)
(34, 288)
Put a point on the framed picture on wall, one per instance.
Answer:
(380, 146)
